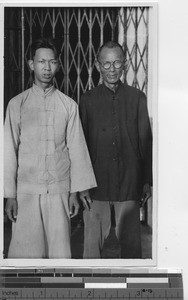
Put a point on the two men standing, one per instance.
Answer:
(47, 161)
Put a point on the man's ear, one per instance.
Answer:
(97, 65)
(30, 63)
(59, 66)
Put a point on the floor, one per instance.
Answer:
(111, 246)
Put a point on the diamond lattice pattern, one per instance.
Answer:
(79, 32)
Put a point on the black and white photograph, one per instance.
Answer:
(80, 135)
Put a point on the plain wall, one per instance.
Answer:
(173, 137)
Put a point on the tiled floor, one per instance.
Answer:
(111, 247)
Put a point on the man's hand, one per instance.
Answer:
(85, 198)
(73, 205)
(146, 194)
(11, 209)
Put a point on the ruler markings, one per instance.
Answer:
(63, 293)
(88, 272)
(174, 292)
(48, 284)
(94, 294)
(143, 272)
(127, 298)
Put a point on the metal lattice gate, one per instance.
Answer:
(79, 33)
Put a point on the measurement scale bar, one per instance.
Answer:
(105, 285)
(61, 280)
(147, 280)
(97, 284)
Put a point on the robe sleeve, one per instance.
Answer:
(145, 139)
(81, 173)
(11, 144)
(83, 116)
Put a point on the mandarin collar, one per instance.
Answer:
(42, 92)
(111, 91)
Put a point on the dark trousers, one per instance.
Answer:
(97, 224)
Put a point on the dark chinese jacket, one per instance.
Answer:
(118, 134)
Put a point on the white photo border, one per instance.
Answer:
(153, 94)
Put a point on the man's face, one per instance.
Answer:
(111, 75)
(45, 66)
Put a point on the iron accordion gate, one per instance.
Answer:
(79, 32)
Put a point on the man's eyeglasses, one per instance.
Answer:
(117, 64)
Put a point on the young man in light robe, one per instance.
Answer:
(46, 162)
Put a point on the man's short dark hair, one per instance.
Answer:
(110, 45)
(48, 43)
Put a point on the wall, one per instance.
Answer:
(173, 132)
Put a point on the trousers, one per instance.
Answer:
(97, 224)
(42, 228)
